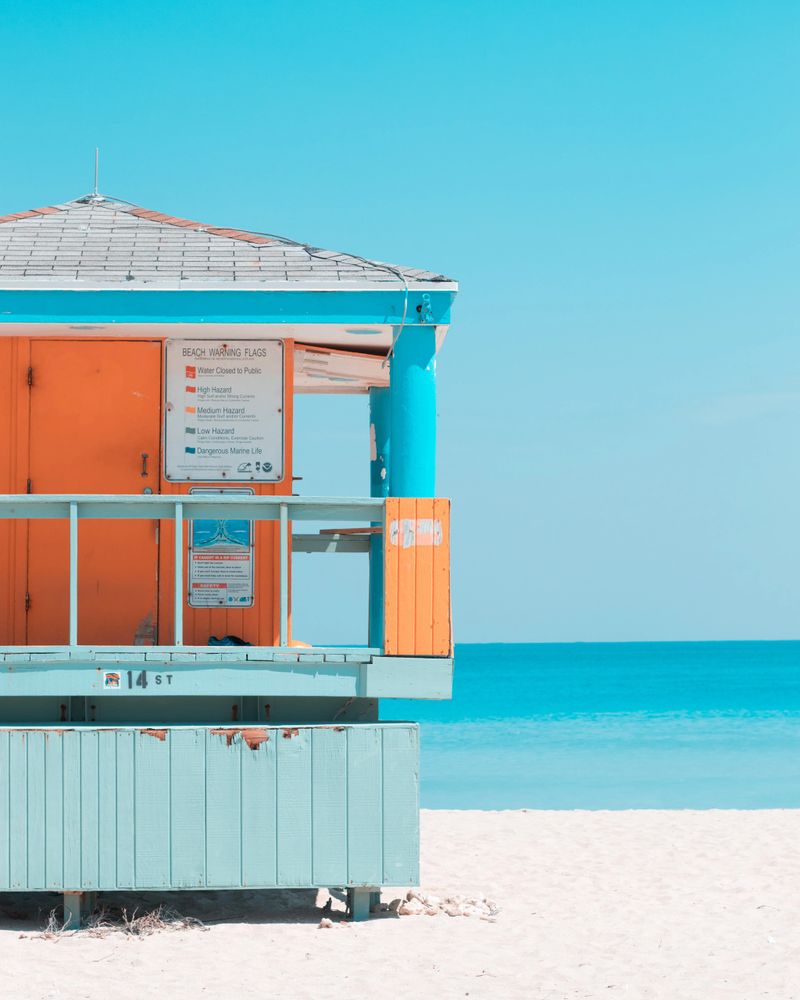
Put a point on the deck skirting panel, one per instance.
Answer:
(185, 807)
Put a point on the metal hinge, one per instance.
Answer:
(29, 487)
(30, 377)
(27, 601)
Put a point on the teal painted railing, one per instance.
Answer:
(182, 507)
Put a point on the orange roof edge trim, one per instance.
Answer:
(47, 210)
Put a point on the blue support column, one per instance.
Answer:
(413, 412)
(379, 436)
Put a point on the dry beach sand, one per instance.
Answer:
(591, 904)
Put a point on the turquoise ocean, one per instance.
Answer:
(614, 726)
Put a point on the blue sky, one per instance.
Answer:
(615, 186)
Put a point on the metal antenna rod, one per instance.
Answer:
(96, 168)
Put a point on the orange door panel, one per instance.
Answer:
(94, 414)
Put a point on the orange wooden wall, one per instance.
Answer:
(258, 624)
(417, 619)
(14, 362)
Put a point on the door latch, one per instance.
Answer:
(145, 456)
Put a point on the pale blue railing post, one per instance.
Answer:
(178, 573)
(284, 575)
(73, 573)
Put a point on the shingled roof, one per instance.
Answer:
(97, 242)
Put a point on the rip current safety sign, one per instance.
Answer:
(221, 560)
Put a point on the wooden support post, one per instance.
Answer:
(75, 906)
(358, 901)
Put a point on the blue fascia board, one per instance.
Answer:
(223, 306)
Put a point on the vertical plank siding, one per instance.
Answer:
(14, 427)
(329, 831)
(417, 619)
(187, 808)
(192, 807)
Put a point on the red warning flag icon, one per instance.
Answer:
(191, 371)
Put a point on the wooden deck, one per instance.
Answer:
(238, 670)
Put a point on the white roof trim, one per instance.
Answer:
(230, 286)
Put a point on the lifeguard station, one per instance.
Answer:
(159, 726)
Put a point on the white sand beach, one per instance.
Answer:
(591, 904)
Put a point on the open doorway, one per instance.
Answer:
(331, 455)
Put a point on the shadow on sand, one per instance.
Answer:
(31, 912)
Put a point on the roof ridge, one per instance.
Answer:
(142, 213)
(173, 220)
(30, 213)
